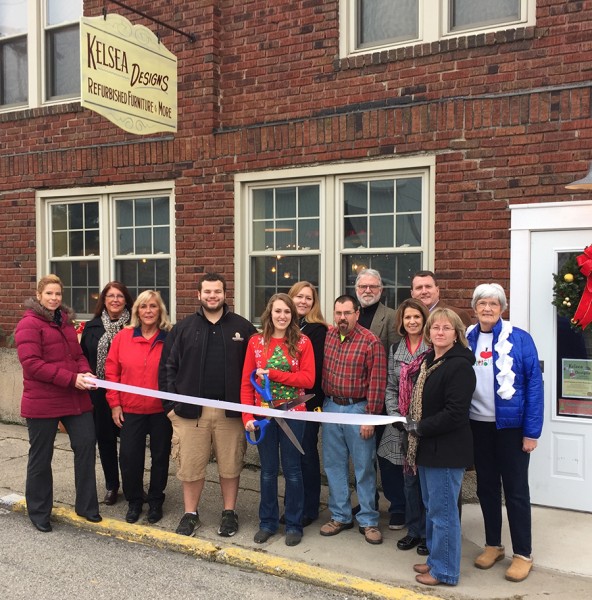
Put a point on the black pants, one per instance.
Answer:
(132, 453)
(499, 460)
(106, 432)
(311, 470)
(39, 486)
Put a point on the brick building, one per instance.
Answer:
(314, 137)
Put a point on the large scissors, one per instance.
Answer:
(265, 393)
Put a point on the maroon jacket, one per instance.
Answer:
(51, 358)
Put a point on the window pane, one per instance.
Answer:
(308, 201)
(91, 215)
(59, 217)
(63, 62)
(308, 234)
(140, 275)
(14, 82)
(91, 243)
(382, 234)
(125, 241)
(471, 13)
(13, 17)
(143, 240)
(263, 204)
(285, 203)
(409, 230)
(81, 284)
(382, 21)
(271, 274)
(356, 232)
(409, 195)
(161, 211)
(75, 216)
(143, 212)
(285, 236)
(63, 11)
(76, 239)
(355, 198)
(125, 214)
(59, 243)
(382, 197)
(161, 240)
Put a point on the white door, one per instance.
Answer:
(561, 467)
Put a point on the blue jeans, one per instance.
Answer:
(311, 470)
(274, 444)
(340, 443)
(415, 518)
(499, 459)
(440, 488)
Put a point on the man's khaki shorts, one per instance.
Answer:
(194, 439)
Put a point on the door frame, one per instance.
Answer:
(525, 219)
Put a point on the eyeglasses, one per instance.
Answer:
(445, 329)
(347, 313)
(488, 304)
(372, 288)
(115, 297)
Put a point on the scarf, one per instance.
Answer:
(415, 411)
(111, 330)
(406, 382)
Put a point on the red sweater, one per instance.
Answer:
(134, 360)
(301, 374)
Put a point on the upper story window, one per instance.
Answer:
(89, 238)
(369, 25)
(39, 52)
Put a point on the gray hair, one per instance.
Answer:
(372, 272)
(490, 290)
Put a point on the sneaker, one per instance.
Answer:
(396, 522)
(188, 524)
(228, 524)
(371, 534)
(334, 527)
(155, 513)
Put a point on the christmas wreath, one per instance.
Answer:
(568, 289)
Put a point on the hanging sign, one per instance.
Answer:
(128, 76)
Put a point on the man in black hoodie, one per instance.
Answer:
(203, 356)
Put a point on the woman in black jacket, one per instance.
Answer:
(441, 443)
(313, 325)
(112, 313)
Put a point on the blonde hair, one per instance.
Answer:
(48, 280)
(315, 315)
(145, 296)
(440, 314)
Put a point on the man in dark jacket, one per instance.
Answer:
(203, 356)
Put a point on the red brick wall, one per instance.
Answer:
(508, 116)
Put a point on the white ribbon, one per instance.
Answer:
(298, 415)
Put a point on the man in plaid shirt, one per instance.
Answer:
(354, 382)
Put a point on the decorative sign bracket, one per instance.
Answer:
(191, 36)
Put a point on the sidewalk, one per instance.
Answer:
(562, 552)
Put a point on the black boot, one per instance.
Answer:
(133, 512)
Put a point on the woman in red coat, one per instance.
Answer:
(133, 359)
(55, 390)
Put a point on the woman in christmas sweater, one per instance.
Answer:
(286, 356)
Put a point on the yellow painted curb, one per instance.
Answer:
(254, 560)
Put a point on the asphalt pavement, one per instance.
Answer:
(562, 552)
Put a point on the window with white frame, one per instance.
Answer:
(326, 228)
(372, 25)
(39, 52)
(91, 239)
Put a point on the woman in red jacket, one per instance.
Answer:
(133, 359)
(286, 356)
(55, 390)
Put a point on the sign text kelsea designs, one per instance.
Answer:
(127, 75)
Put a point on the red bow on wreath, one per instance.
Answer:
(583, 315)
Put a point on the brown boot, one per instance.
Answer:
(489, 557)
(519, 569)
